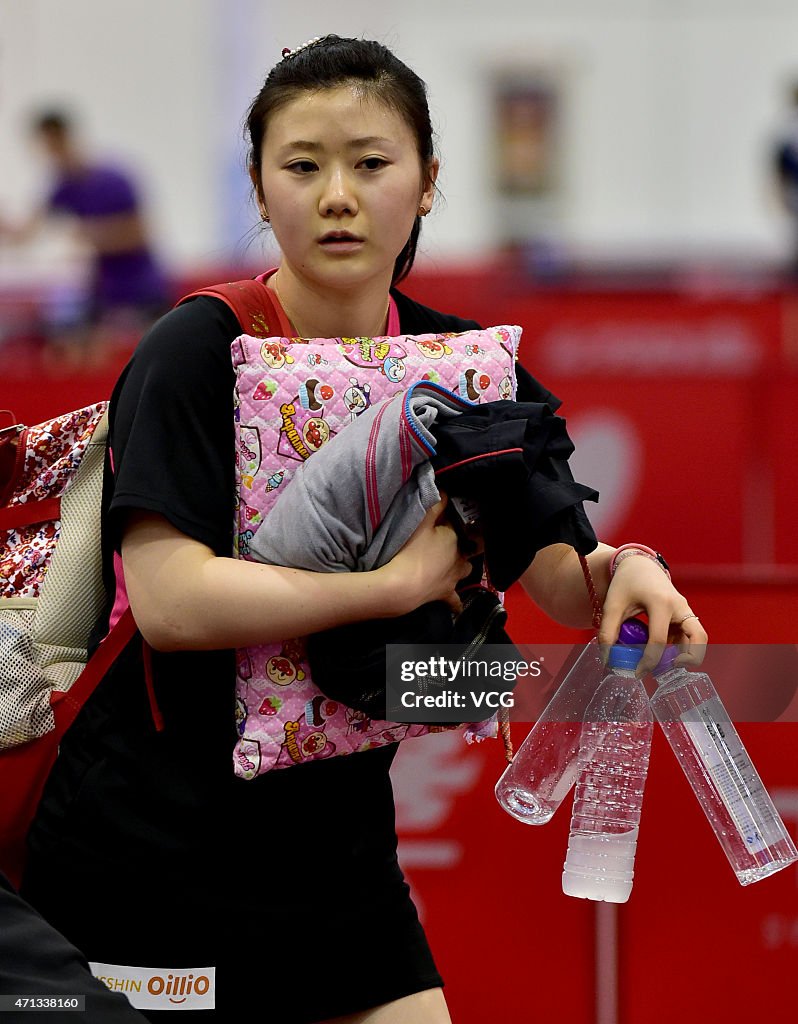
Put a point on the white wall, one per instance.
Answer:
(669, 106)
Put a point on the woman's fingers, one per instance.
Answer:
(692, 641)
(639, 587)
(437, 512)
(431, 564)
(683, 629)
(659, 621)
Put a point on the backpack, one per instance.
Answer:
(52, 592)
(51, 595)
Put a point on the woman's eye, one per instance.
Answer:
(302, 167)
(373, 163)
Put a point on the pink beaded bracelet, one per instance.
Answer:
(625, 550)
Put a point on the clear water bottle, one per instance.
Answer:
(545, 766)
(720, 771)
(613, 764)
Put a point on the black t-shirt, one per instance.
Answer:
(122, 793)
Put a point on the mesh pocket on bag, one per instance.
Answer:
(25, 712)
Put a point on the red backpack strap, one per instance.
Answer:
(28, 513)
(254, 306)
(27, 767)
(66, 705)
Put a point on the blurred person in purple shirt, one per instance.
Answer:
(127, 289)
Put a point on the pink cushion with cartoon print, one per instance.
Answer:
(291, 397)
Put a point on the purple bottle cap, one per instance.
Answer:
(633, 631)
(665, 663)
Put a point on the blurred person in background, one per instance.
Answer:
(126, 290)
(786, 167)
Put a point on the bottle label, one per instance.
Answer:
(733, 774)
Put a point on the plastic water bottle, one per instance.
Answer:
(613, 764)
(720, 771)
(545, 766)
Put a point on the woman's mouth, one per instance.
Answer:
(341, 241)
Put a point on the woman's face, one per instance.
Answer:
(342, 182)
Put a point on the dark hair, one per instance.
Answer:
(333, 61)
(55, 122)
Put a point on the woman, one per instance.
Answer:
(284, 893)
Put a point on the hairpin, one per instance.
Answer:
(288, 52)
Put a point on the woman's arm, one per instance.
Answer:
(184, 597)
(556, 583)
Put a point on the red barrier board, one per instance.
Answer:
(692, 944)
(508, 943)
(669, 460)
(35, 391)
(781, 437)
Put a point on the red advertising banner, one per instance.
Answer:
(667, 399)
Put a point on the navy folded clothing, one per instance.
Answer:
(511, 459)
(347, 663)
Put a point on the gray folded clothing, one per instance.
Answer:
(360, 497)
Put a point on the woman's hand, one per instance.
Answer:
(640, 586)
(430, 565)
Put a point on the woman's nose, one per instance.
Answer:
(338, 196)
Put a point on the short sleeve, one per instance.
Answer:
(172, 438)
(119, 193)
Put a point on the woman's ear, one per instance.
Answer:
(259, 196)
(431, 176)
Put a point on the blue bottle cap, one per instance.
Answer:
(624, 657)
